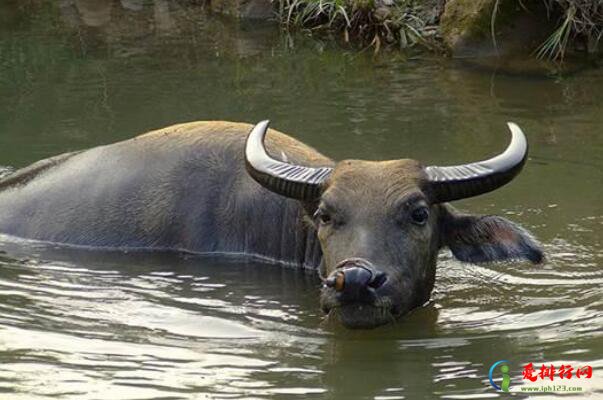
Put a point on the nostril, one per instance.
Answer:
(378, 280)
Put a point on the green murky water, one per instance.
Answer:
(92, 325)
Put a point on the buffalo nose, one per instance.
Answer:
(356, 283)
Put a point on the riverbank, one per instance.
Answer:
(545, 29)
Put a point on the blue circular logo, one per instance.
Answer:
(494, 385)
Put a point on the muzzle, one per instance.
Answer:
(355, 280)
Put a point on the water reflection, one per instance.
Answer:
(99, 13)
(173, 324)
(134, 27)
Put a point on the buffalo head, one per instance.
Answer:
(381, 224)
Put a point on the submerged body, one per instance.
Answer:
(183, 187)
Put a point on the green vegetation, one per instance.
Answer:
(580, 20)
(402, 23)
(406, 23)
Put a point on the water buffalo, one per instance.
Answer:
(372, 229)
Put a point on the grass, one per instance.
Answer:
(375, 23)
(579, 21)
(403, 23)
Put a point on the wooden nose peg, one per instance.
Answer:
(336, 282)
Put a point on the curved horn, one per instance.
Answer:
(295, 181)
(462, 181)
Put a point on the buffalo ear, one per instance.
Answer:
(488, 238)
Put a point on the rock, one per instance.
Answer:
(465, 23)
(244, 9)
(466, 27)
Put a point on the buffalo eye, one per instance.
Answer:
(419, 216)
(323, 217)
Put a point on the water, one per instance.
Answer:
(92, 325)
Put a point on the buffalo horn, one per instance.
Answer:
(290, 180)
(467, 180)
